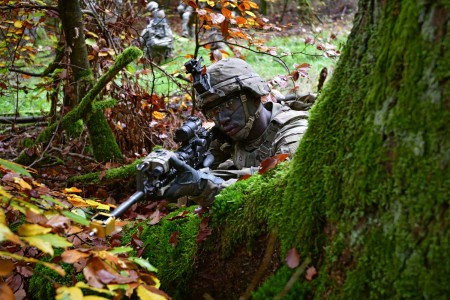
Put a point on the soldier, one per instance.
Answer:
(157, 37)
(253, 125)
(187, 18)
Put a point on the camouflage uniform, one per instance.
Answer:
(246, 130)
(282, 135)
(187, 18)
(157, 37)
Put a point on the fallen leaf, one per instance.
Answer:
(173, 240)
(6, 267)
(32, 229)
(150, 293)
(292, 258)
(310, 273)
(73, 256)
(65, 293)
(6, 293)
(204, 231)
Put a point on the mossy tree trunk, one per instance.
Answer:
(368, 195)
(103, 143)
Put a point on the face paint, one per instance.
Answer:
(228, 115)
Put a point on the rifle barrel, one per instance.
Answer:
(127, 204)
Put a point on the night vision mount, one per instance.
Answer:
(201, 83)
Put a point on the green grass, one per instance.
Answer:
(28, 98)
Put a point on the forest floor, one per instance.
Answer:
(67, 161)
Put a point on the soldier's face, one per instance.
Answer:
(229, 115)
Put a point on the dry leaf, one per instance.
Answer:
(292, 258)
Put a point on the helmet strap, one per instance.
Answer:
(245, 131)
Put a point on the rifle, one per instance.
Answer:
(155, 173)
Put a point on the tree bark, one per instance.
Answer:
(102, 139)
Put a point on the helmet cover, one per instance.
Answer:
(228, 76)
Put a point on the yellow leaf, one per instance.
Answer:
(98, 205)
(2, 217)
(71, 190)
(56, 268)
(39, 243)
(18, 24)
(6, 293)
(253, 4)
(94, 298)
(68, 293)
(77, 201)
(83, 285)
(22, 183)
(250, 13)
(145, 294)
(158, 115)
(32, 229)
(4, 193)
(46, 242)
(7, 235)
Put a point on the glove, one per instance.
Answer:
(200, 186)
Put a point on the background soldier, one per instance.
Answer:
(187, 18)
(251, 126)
(157, 37)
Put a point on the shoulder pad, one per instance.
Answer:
(286, 115)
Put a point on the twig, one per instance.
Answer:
(299, 271)
(262, 267)
(73, 154)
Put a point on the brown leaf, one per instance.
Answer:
(5, 292)
(174, 238)
(59, 221)
(35, 218)
(204, 231)
(310, 273)
(271, 162)
(181, 215)
(292, 258)
(6, 267)
(73, 256)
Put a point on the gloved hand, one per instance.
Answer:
(200, 186)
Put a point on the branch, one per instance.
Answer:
(83, 110)
(294, 278)
(28, 6)
(262, 267)
(51, 67)
(277, 58)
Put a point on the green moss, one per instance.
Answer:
(173, 262)
(103, 142)
(43, 283)
(275, 284)
(102, 105)
(126, 171)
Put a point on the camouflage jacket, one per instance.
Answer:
(285, 130)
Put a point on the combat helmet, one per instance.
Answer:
(226, 77)
(152, 6)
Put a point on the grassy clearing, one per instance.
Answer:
(29, 98)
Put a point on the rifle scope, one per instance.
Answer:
(188, 129)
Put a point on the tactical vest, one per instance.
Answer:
(283, 134)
